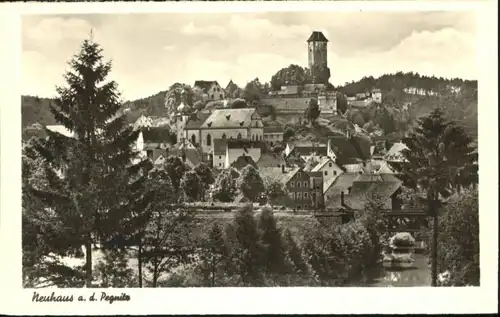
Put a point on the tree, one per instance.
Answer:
(215, 254)
(270, 237)
(88, 200)
(293, 75)
(175, 169)
(249, 252)
(168, 240)
(239, 103)
(342, 104)
(289, 133)
(191, 185)
(206, 177)
(439, 162)
(274, 190)
(113, 270)
(250, 183)
(224, 187)
(199, 105)
(252, 91)
(312, 112)
(459, 239)
(294, 254)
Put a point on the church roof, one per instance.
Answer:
(317, 36)
(229, 118)
(196, 120)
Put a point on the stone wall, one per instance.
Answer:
(298, 104)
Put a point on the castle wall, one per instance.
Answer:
(299, 104)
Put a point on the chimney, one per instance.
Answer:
(283, 168)
(342, 198)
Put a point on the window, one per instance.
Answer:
(193, 139)
(334, 172)
(330, 164)
(298, 184)
(305, 195)
(221, 96)
(239, 136)
(292, 196)
(299, 195)
(326, 173)
(299, 207)
(279, 165)
(292, 184)
(220, 164)
(209, 140)
(256, 124)
(305, 184)
(220, 157)
(223, 136)
(212, 96)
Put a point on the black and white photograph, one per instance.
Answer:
(271, 149)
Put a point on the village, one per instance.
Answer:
(337, 174)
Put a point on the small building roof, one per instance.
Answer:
(322, 163)
(156, 134)
(273, 129)
(363, 191)
(317, 36)
(242, 161)
(350, 151)
(271, 160)
(277, 174)
(342, 182)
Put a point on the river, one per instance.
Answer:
(417, 275)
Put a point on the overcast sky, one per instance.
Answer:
(152, 51)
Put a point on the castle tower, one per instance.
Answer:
(317, 54)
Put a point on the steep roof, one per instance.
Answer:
(231, 86)
(156, 134)
(242, 143)
(276, 173)
(342, 182)
(192, 155)
(322, 163)
(349, 151)
(317, 36)
(229, 118)
(394, 153)
(196, 120)
(242, 161)
(204, 84)
(271, 160)
(362, 192)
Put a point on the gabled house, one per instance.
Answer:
(273, 134)
(210, 90)
(328, 168)
(305, 189)
(242, 161)
(191, 157)
(306, 149)
(232, 90)
(226, 151)
(350, 153)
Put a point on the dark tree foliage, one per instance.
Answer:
(289, 133)
(175, 169)
(312, 112)
(250, 183)
(88, 204)
(270, 237)
(206, 176)
(215, 256)
(439, 163)
(253, 91)
(249, 252)
(294, 254)
(342, 105)
(293, 75)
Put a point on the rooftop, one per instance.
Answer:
(317, 36)
(230, 118)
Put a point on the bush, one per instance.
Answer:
(402, 239)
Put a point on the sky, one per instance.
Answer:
(150, 52)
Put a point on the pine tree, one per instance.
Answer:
(249, 253)
(439, 162)
(270, 237)
(88, 200)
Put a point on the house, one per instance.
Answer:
(395, 153)
(328, 168)
(226, 151)
(305, 189)
(273, 134)
(377, 95)
(374, 188)
(152, 138)
(232, 90)
(210, 90)
(271, 160)
(151, 121)
(191, 157)
(335, 187)
(306, 149)
(350, 153)
(243, 123)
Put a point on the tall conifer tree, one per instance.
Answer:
(89, 199)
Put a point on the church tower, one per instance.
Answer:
(317, 54)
